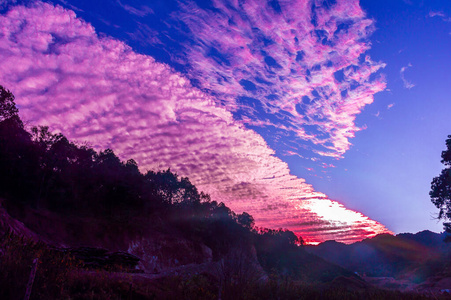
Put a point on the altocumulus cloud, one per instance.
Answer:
(97, 89)
(297, 66)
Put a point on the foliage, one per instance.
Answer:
(45, 171)
(246, 220)
(279, 252)
(441, 188)
(16, 257)
(8, 108)
(65, 177)
(41, 171)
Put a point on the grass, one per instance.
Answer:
(60, 276)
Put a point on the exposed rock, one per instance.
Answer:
(98, 258)
(240, 265)
(9, 224)
(159, 252)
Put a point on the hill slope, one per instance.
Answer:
(411, 256)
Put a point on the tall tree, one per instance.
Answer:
(441, 188)
(8, 108)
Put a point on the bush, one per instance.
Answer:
(16, 260)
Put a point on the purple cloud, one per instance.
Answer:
(140, 12)
(304, 65)
(98, 90)
(437, 14)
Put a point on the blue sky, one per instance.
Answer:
(392, 162)
(324, 117)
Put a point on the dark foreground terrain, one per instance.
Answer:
(61, 276)
(80, 224)
(168, 264)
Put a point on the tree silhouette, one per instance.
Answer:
(246, 220)
(441, 188)
(45, 171)
(8, 108)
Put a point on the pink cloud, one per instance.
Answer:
(437, 14)
(98, 90)
(140, 12)
(325, 166)
(407, 84)
(260, 43)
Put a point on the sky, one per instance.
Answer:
(324, 117)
